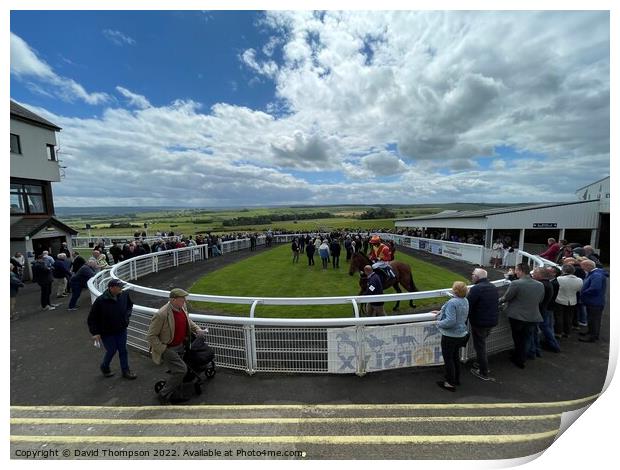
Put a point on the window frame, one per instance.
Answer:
(51, 152)
(27, 193)
(19, 145)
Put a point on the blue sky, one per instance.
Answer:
(221, 108)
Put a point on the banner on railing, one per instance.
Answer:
(383, 347)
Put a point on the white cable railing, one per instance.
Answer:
(352, 344)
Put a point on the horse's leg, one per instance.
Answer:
(397, 289)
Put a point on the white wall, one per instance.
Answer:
(32, 163)
(599, 190)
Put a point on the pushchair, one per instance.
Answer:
(200, 359)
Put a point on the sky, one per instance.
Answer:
(255, 108)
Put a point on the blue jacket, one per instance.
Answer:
(451, 320)
(60, 269)
(483, 300)
(82, 276)
(594, 287)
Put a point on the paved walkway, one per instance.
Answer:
(53, 362)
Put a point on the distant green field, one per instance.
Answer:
(192, 221)
(272, 274)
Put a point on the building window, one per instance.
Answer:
(27, 199)
(15, 144)
(51, 152)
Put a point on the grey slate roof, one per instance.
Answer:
(26, 227)
(488, 212)
(24, 114)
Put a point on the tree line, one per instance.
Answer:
(267, 219)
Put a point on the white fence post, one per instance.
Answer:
(249, 334)
(361, 351)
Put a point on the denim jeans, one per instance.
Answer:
(479, 335)
(113, 344)
(533, 341)
(547, 330)
(582, 313)
(76, 290)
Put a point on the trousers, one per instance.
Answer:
(173, 360)
(450, 348)
(479, 335)
(113, 344)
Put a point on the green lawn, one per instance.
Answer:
(272, 274)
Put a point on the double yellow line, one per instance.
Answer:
(290, 439)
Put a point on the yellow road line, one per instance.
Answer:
(388, 406)
(232, 421)
(323, 440)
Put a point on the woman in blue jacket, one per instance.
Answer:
(452, 323)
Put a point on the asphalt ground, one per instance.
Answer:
(53, 362)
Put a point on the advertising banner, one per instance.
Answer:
(383, 347)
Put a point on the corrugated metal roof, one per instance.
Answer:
(27, 115)
(26, 227)
(488, 212)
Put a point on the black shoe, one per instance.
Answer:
(587, 340)
(443, 385)
(127, 374)
(518, 364)
(583, 334)
(106, 372)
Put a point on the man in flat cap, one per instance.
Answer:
(108, 321)
(168, 336)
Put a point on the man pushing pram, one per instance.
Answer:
(170, 340)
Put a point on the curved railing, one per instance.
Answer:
(337, 345)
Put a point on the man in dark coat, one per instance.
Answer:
(42, 275)
(483, 316)
(334, 249)
(374, 286)
(107, 322)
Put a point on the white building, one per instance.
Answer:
(585, 221)
(34, 166)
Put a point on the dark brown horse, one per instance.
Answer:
(401, 270)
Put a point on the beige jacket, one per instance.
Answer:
(161, 331)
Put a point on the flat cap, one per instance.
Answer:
(176, 292)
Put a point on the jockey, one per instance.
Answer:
(380, 255)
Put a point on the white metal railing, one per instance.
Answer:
(292, 344)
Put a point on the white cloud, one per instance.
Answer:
(118, 38)
(135, 100)
(26, 65)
